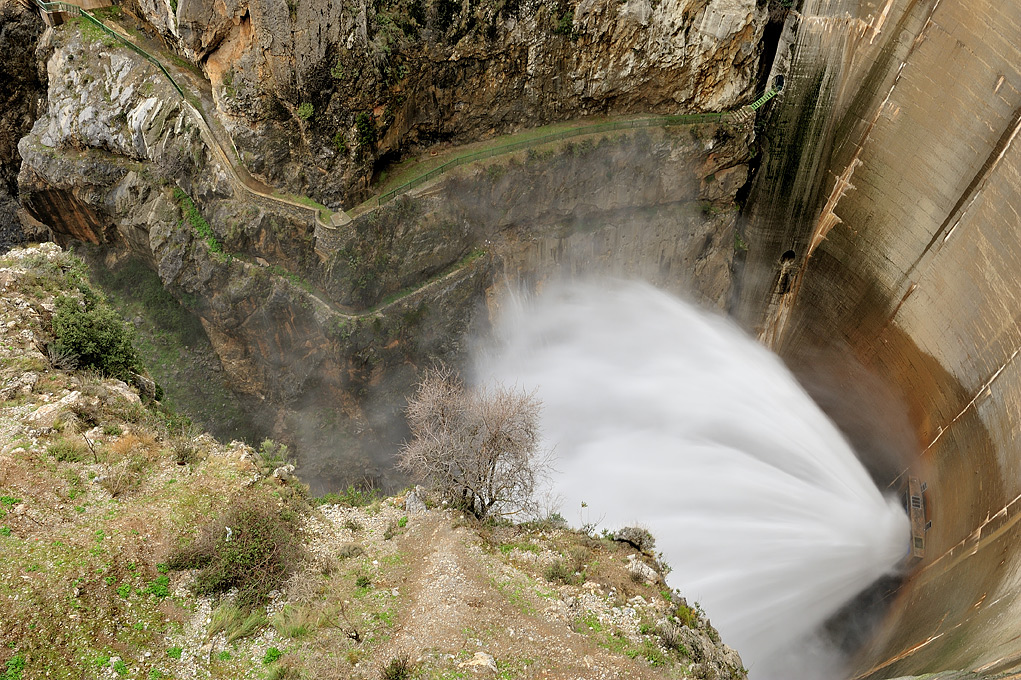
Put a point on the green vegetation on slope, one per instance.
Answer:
(172, 344)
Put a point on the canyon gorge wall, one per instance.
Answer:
(324, 328)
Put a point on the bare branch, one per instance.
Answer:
(478, 447)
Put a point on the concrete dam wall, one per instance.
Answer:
(885, 224)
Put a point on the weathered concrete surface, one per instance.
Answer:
(897, 145)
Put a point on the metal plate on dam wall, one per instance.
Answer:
(897, 145)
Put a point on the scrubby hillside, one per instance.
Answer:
(135, 547)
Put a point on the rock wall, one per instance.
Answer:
(24, 86)
(331, 336)
(319, 96)
(896, 142)
(657, 204)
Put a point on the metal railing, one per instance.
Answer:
(662, 121)
(755, 105)
(88, 16)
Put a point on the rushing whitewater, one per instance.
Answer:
(665, 415)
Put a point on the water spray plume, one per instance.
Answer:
(668, 416)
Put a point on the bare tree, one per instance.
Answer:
(479, 447)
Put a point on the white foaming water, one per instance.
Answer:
(664, 415)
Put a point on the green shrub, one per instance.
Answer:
(250, 547)
(272, 654)
(366, 129)
(399, 668)
(15, 668)
(175, 652)
(558, 572)
(68, 451)
(305, 110)
(193, 217)
(95, 335)
(340, 141)
(160, 587)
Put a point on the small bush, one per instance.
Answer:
(349, 550)
(305, 110)
(184, 452)
(558, 572)
(398, 668)
(250, 547)
(366, 129)
(91, 331)
(272, 655)
(160, 587)
(125, 477)
(15, 668)
(68, 451)
(363, 581)
(272, 455)
(175, 652)
(670, 635)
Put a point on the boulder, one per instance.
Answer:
(47, 415)
(641, 572)
(637, 537)
(413, 502)
(480, 660)
(118, 389)
(18, 385)
(284, 473)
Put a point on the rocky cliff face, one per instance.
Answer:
(326, 326)
(321, 95)
(24, 79)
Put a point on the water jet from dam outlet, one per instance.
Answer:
(667, 416)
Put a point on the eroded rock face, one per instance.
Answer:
(327, 327)
(315, 93)
(24, 83)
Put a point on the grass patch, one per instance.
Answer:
(69, 451)
(198, 223)
(351, 497)
(295, 622)
(324, 213)
(235, 622)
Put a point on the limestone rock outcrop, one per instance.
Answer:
(316, 94)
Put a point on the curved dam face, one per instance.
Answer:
(885, 227)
